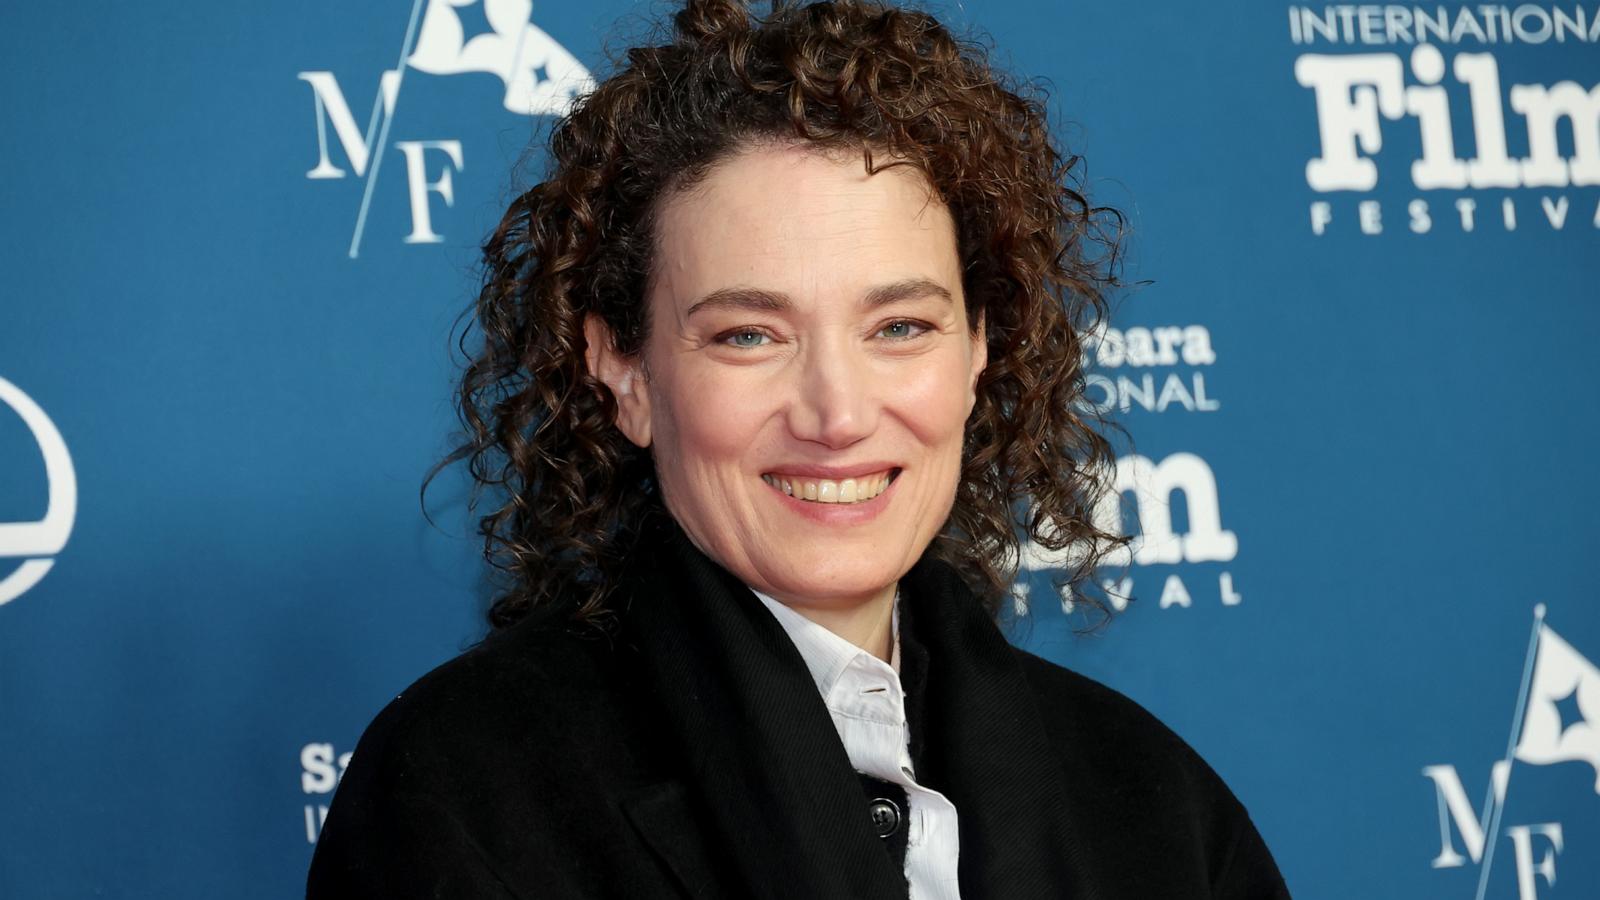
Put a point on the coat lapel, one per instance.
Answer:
(766, 768)
(664, 816)
(755, 738)
(985, 747)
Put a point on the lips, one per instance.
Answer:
(855, 488)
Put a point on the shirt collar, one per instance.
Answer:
(826, 654)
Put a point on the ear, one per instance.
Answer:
(980, 359)
(623, 375)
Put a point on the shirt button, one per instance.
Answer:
(885, 816)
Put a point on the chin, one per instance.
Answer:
(843, 586)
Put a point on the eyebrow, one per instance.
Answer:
(775, 301)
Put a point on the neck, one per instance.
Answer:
(869, 624)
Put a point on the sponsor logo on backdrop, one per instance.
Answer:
(1557, 720)
(1496, 149)
(442, 37)
(1158, 543)
(1153, 369)
(37, 542)
(321, 768)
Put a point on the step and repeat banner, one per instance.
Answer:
(1358, 369)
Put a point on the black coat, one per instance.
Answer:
(690, 755)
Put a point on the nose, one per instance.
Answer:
(836, 402)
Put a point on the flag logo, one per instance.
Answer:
(1557, 720)
(1562, 723)
(539, 77)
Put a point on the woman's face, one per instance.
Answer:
(809, 340)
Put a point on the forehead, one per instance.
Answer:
(810, 223)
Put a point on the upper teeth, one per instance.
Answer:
(824, 490)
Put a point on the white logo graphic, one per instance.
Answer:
(1352, 92)
(1124, 364)
(1157, 543)
(37, 541)
(539, 75)
(1358, 97)
(1557, 720)
(321, 769)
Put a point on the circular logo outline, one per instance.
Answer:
(40, 541)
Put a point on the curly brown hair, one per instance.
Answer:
(1037, 259)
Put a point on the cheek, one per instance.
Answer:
(712, 420)
(933, 402)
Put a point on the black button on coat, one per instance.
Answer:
(689, 755)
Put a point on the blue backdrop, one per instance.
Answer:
(1360, 383)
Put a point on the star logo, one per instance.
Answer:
(1568, 710)
(474, 21)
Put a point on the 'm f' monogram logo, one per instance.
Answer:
(1456, 816)
(1557, 720)
(449, 37)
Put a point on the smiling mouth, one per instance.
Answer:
(827, 490)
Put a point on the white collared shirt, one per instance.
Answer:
(868, 706)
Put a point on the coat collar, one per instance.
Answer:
(761, 755)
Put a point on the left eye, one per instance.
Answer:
(901, 330)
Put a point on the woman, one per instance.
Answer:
(774, 358)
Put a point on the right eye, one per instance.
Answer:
(744, 338)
